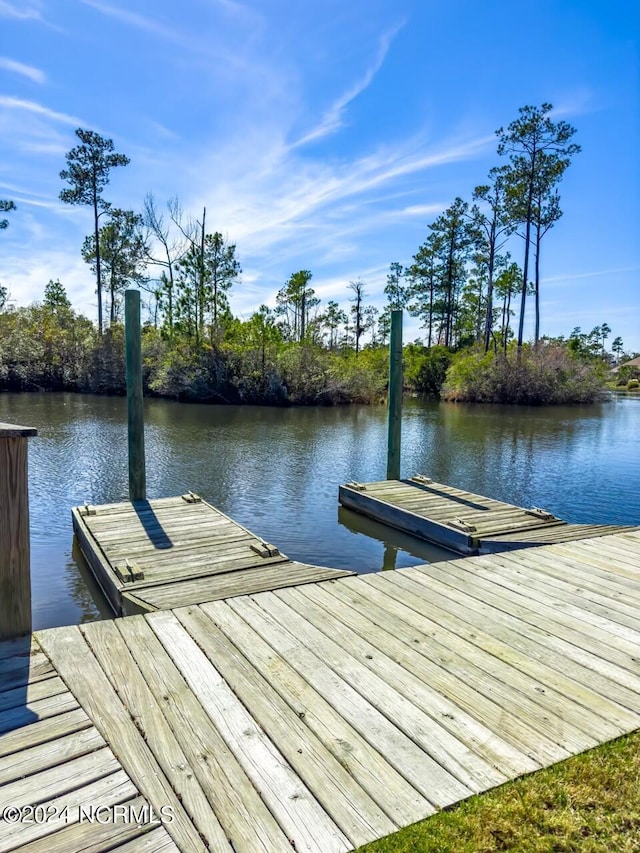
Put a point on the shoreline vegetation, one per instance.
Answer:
(462, 284)
(49, 347)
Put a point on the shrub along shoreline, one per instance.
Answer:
(47, 350)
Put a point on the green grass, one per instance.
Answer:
(587, 804)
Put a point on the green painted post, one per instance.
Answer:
(395, 397)
(135, 410)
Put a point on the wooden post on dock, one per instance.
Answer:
(135, 405)
(395, 397)
(15, 569)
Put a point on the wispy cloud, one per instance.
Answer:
(333, 119)
(194, 43)
(134, 19)
(9, 103)
(29, 71)
(24, 11)
(591, 274)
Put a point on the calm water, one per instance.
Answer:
(277, 471)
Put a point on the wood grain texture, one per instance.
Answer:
(467, 523)
(15, 570)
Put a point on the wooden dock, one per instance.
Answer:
(462, 521)
(323, 716)
(170, 552)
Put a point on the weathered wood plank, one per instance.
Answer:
(336, 790)
(31, 692)
(249, 824)
(15, 578)
(523, 633)
(568, 621)
(368, 766)
(59, 779)
(500, 728)
(113, 655)
(303, 819)
(230, 584)
(504, 726)
(79, 668)
(18, 647)
(40, 709)
(457, 639)
(153, 842)
(43, 756)
(561, 588)
(39, 732)
(440, 513)
(107, 791)
(16, 671)
(94, 837)
(423, 772)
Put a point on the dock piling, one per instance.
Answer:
(135, 405)
(15, 569)
(395, 397)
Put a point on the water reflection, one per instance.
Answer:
(277, 471)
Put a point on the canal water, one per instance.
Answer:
(277, 472)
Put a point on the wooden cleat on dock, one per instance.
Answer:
(128, 572)
(541, 513)
(170, 552)
(264, 549)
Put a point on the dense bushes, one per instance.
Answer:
(425, 369)
(52, 348)
(540, 375)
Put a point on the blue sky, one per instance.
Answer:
(323, 135)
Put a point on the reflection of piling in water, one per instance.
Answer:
(15, 569)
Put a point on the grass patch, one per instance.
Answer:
(586, 804)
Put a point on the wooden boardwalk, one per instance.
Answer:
(171, 552)
(463, 521)
(319, 717)
(55, 766)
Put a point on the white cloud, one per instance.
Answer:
(9, 103)
(24, 11)
(334, 117)
(28, 71)
(590, 274)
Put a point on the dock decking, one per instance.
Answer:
(53, 757)
(463, 521)
(171, 552)
(319, 717)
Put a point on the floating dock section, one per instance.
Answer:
(319, 717)
(462, 521)
(158, 554)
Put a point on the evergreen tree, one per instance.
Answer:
(123, 254)
(453, 238)
(294, 303)
(539, 151)
(88, 167)
(395, 290)
(492, 225)
(6, 207)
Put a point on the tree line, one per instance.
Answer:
(462, 283)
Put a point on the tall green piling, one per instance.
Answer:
(135, 406)
(395, 397)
